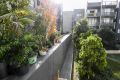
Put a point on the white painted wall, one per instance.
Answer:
(67, 21)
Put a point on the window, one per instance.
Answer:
(92, 21)
(108, 10)
(107, 20)
(92, 11)
(78, 15)
(31, 4)
(118, 30)
(119, 21)
(38, 2)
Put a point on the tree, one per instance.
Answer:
(108, 38)
(48, 11)
(92, 64)
(80, 27)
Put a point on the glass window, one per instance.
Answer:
(92, 21)
(118, 30)
(107, 20)
(38, 2)
(31, 4)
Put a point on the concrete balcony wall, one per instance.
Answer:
(94, 14)
(95, 24)
(109, 14)
(47, 66)
(94, 5)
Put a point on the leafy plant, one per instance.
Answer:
(20, 50)
(108, 38)
(15, 45)
(80, 27)
(92, 64)
(49, 15)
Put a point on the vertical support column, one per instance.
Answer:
(101, 14)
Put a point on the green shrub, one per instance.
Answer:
(20, 50)
(92, 64)
(108, 38)
(80, 27)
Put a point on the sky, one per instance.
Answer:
(69, 5)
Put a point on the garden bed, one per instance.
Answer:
(47, 66)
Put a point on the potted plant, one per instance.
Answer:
(43, 51)
(3, 66)
(49, 44)
(18, 61)
(52, 38)
(57, 38)
(18, 56)
(32, 57)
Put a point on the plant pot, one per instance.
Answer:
(3, 70)
(42, 53)
(19, 71)
(32, 60)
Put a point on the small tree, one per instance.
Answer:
(108, 38)
(92, 58)
(80, 27)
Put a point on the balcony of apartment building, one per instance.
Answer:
(94, 14)
(107, 24)
(94, 25)
(94, 5)
(108, 14)
(107, 4)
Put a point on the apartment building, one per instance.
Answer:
(102, 14)
(78, 14)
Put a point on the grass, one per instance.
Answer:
(114, 63)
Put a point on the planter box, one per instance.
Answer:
(47, 66)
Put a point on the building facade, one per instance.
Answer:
(78, 14)
(67, 21)
(102, 14)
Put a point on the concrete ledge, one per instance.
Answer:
(113, 51)
(66, 70)
(49, 65)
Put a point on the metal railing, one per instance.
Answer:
(93, 14)
(109, 3)
(108, 13)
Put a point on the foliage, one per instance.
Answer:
(92, 64)
(47, 9)
(108, 38)
(20, 50)
(80, 27)
(40, 30)
(22, 33)
(15, 44)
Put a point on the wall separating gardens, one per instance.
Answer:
(47, 66)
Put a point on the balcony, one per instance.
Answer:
(94, 5)
(108, 4)
(110, 24)
(95, 24)
(93, 14)
(108, 14)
